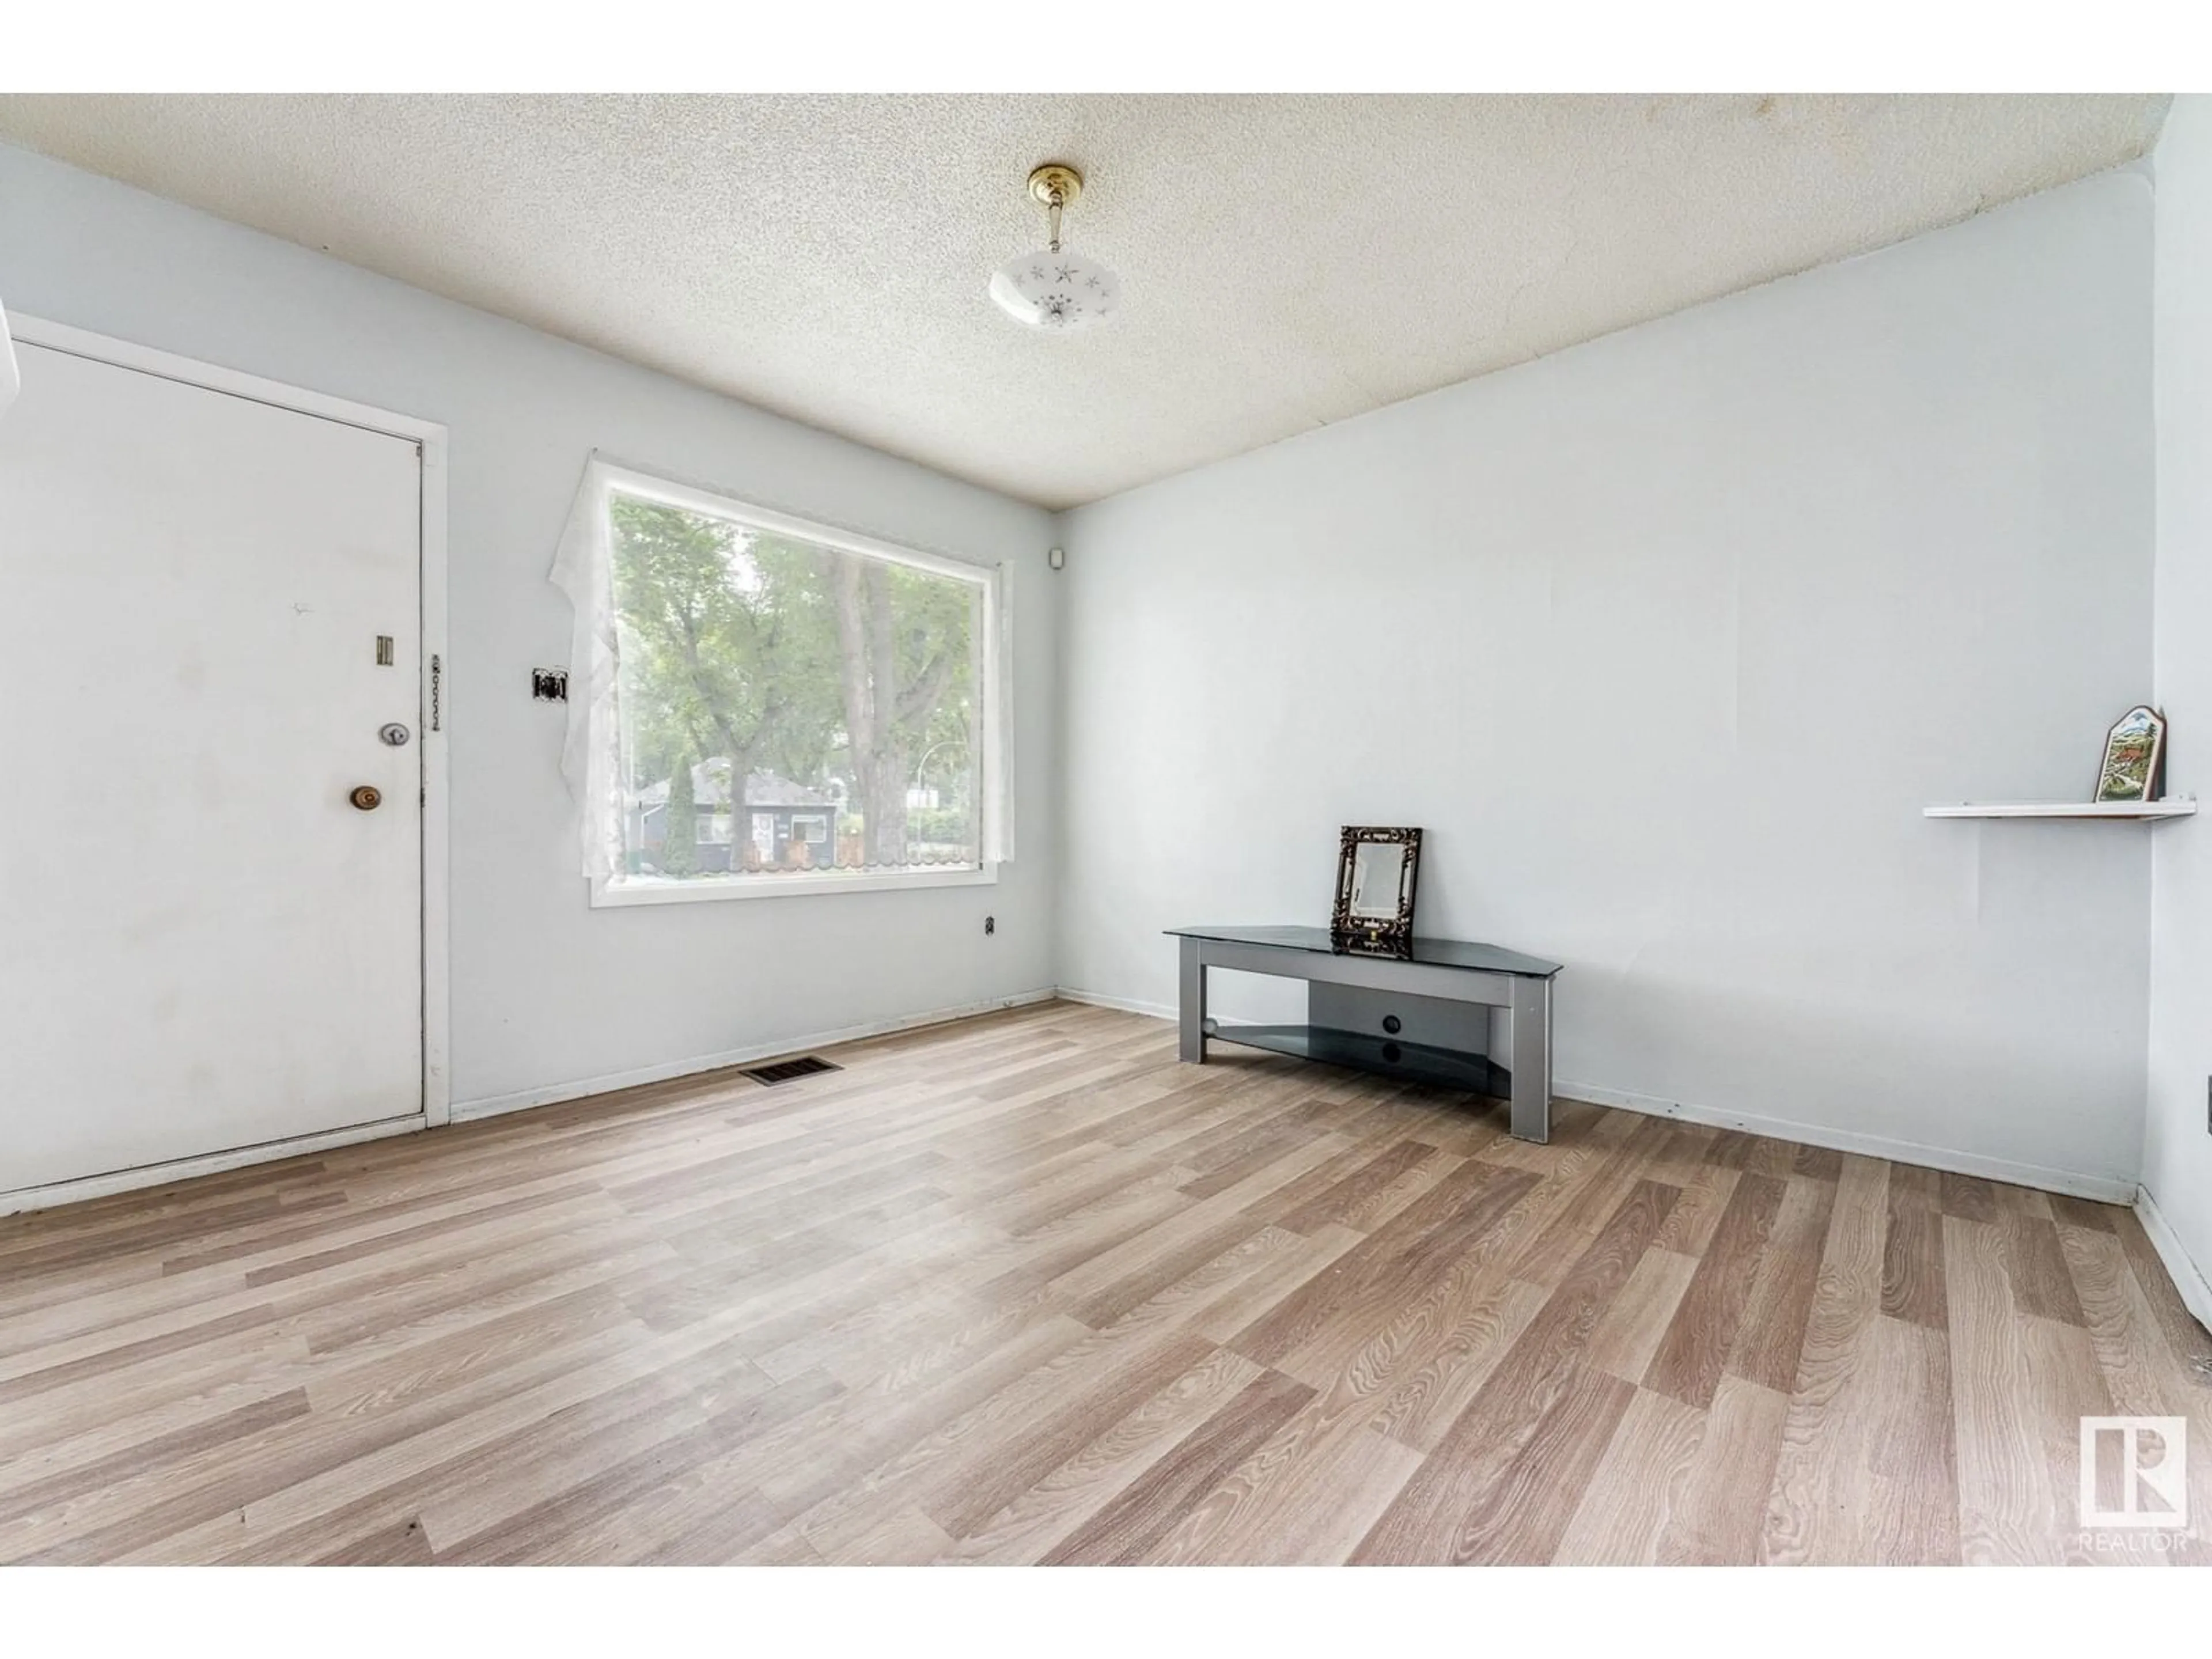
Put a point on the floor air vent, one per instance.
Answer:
(787, 1070)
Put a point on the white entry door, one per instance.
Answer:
(209, 607)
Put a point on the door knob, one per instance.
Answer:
(368, 798)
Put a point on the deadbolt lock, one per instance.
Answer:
(368, 798)
(395, 734)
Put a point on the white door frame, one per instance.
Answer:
(437, 1084)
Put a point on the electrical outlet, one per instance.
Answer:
(991, 926)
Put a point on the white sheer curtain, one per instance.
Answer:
(997, 842)
(10, 378)
(583, 569)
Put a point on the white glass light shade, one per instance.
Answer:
(1061, 290)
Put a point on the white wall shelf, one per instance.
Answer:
(2131, 810)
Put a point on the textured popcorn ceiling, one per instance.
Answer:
(1286, 261)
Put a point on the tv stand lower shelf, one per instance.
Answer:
(1415, 1062)
(1422, 1016)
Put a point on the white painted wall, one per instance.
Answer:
(1666, 640)
(548, 995)
(2177, 1150)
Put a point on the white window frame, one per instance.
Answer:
(609, 889)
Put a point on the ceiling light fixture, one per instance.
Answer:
(1053, 288)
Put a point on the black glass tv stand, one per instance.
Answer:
(1421, 1014)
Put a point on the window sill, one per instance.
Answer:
(621, 895)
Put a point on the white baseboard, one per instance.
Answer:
(184, 1169)
(2106, 1189)
(2188, 1278)
(1100, 999)
(494, 1105)
(161, 1175)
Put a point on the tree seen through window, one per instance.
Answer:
(820, 703)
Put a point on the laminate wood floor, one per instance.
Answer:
(1024, 1289)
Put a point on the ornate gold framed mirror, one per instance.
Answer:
(1378, 870)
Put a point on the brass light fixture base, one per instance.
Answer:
(1055, 184)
